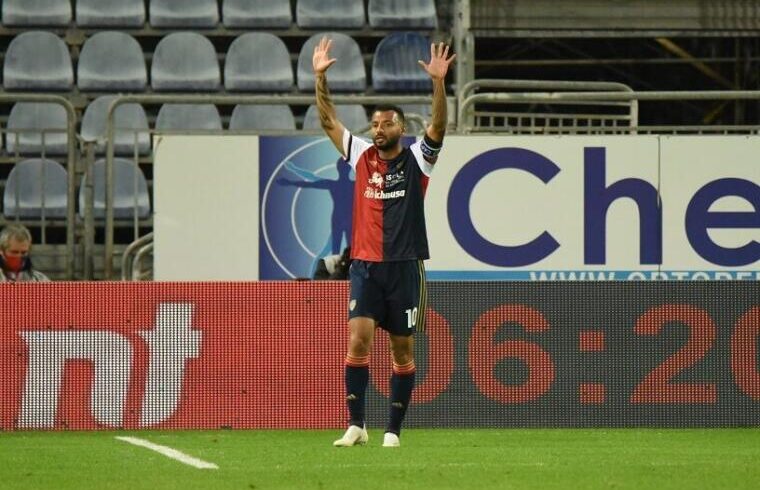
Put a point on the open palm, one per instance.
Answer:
(321, 60)
(439, 63)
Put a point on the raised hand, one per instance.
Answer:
(321, 60)
(439, 63)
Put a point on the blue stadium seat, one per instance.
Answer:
(184, 13)
(36, 12)
(256, 14)
(353, 117)
(395, 67)
(346, 75)
(335, 14)
(110, 13)
(111, 61)
(402, 14)
(37, 60)
(31, 181)
(258, 61)
(263, 117)
(130, 190)
(128, 120)
(35, 116)
(185, 61)
(175, 117)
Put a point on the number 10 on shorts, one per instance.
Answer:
(411, 317)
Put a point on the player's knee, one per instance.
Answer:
(359, 345)
(402, 355)
(403, 359)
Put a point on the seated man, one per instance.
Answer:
(15, 264)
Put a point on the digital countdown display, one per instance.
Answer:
(587, 354)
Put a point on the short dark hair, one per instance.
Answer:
(390, 107)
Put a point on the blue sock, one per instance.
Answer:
(402, 384)
(357, 378)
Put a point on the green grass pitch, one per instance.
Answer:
(435, 459)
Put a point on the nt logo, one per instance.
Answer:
(171, 342)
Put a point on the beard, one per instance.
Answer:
(389, 142)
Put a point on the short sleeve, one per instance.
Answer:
(353, 147)
(425, 166)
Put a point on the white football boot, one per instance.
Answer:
(354, 436)
(391, 440)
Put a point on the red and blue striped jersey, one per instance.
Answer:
(389, 214)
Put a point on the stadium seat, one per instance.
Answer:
(263, 117)
(36, 116)
(348, 75)
(395, 67)
(184, 13)
(185, 61)
(37, 60)
(130, 190)
(175, 117)
(402, 14)
(36, 12)
(127, 119)
(111, 61)
(256, 14)
(31, 180)
(353, 117)
(110, 13)
(258, 61)
(335, 14)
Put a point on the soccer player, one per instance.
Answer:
(389, 239)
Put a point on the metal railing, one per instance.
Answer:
(71, 160)
(597, 98)
(131, 261)
(574, 114)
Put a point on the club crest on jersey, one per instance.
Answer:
(376, 180)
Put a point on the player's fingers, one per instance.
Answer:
(445, 52)
(432, 50)
(452, 58)
(328, 44)
(440, 49)
(422, 64)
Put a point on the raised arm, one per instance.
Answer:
(328, 118)
(437, 69)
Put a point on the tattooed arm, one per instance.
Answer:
(328, 118)
(437, 69)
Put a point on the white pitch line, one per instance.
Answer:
(170, 453)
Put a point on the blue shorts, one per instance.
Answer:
(394, 294)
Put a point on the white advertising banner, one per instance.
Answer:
(612, 207)
(498, 207)
(206, 208)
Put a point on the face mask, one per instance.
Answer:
(14, 264)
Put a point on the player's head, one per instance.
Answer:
(387, 126)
